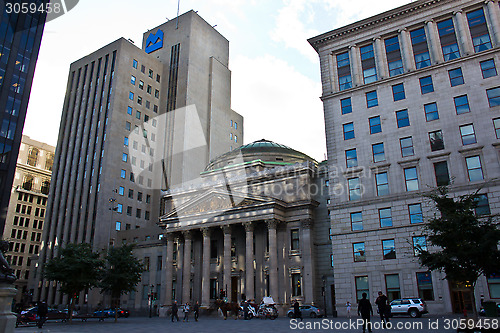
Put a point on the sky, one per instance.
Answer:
(275, 83)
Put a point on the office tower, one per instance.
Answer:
(412, 101)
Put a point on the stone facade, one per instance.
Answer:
(411, 100)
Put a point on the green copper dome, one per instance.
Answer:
(263, 150)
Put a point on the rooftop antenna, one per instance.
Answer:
(177, 20)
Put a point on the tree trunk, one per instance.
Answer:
(474, 308)
(71, 307)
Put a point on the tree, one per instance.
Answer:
(122, 273)
(468, 242)
(76, 268)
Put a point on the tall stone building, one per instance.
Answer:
(26, 213)
(136, 121)
(412, 101)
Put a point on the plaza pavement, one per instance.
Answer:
(212, 324)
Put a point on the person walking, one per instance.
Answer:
(383, 308)
(296, 311)
(42, 313)
(175, 309)
(348, 307)
(186, 312)
(365, 309)
(196, 309)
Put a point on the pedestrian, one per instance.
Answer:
(383, 308)
(365, 309)
(296, 311)
(196, 310)
(348, 307)
(175, 308)
(186, 312)
(42, 313)
(245, 310)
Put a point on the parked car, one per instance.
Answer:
(414, 307)
(482, 311)
(111, 313)
(30, 315)
(307, 311)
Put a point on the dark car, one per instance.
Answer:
(30, 315)
(307, 311)
(111, 313)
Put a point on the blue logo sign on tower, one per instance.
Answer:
(154, 42)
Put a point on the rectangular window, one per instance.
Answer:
(402, 118)
(496, 126)
(482, 205)
(419, 244)
(375, 126)
(129, 210)
(442, 174)
(348, 131)
(456, 77)
(344, 71)
(356, 221)
(124, 157)
(406, 146)
(294, 239)
(361, 283)
(296, 284)
(354, 189)
(132, 80)
(118, 226)
(467, 134)
(123, 174)
(411, 179)
(359, 252)
(493, 96)
(389, 249)
(351, 158)
(134, 63)
(426, 85)
(149, 89)
(461, 104)
(493, 281)
(488, 68)
(378, 150)
(420, 49)
(392, 285)
(141, 84)
(127, 126)
(139, 196)
(213, 249)
(345, 105)
(479, 30)
(371, 99)
(448, 39)
(213, 289)
(119, 208)
(394, 60)
(150, 73)
(129, 110)
(382, 182)
(385, 217)
(436, 140)
(474, 169)
(424, 283)
(431, 111)
(368, 64)
(398, 92)
(415, 211)
(157, 77)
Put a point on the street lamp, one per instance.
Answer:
(151, 288)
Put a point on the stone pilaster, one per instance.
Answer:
(493, 21)
(249, 256)
(380, 59)
(186, 274)
(355, 61)
(205, 273)
(433, 42)
(226, 282)
(463, 34)
(307, 261)
(406, 50)
(169, 268)
(272, 225)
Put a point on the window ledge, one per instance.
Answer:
(438, 155)
(472, 149)
(409, 163)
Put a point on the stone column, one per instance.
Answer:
(492, 20)
(307, 261)
(355, 61)
(463, 35)
(380, 58)
(169, 268)
(205, 273)
(273, 259)
(433, 42)
(186, 274)
(335, 74)
(249, 256)
(226, 281)
(406, 51)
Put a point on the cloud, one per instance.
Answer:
(280, 102)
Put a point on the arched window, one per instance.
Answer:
(33, 157)
(45, 187)
(28, 182)
(49, 162)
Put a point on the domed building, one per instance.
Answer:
(254, 224)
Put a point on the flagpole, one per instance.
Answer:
(177, 20)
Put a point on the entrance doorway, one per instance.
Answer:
(461, 297)
(234, 289)
(334, 305)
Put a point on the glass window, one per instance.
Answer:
(389, 249)
(351, 158)
(149, 89)
(393, 52)
(134, 63)
(138, 114)
(121, 190)
(456, 77)
(398, 92)
(157, 93)
(127, 126)
(424, 283)
(448, 40)
(361, 286)
(344, 71)
(479, 30)
(141, 84)
(119, 208)
(385, 217)
(131, 96)
(406, 146)
(468, 135)
(402, 118)
(493, 281)
(378, 150)
(368, 64)
(294, 239)
(411, 179)
(419, 244)
(157, 77)
(461, 104)
(441, 172)
(151, 73)
(375, 126)
(118, 226)
(436, 140)
(129, 110)
(488, 68)
(345, 105)
(426, 85)
(356, 221)
(474, 169)
(124, 157)
(123, 174)
(125, 141)
(139, 100)
(359, 252)
(348, 131)
(371, 99)
(382, 182)
(482, 205)
(392, 285)
(420, 49)
(132, 80)
(431, 111)
(493, 96)
(496, 126)
(296, 284)
(354, 188)
(415, 211)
